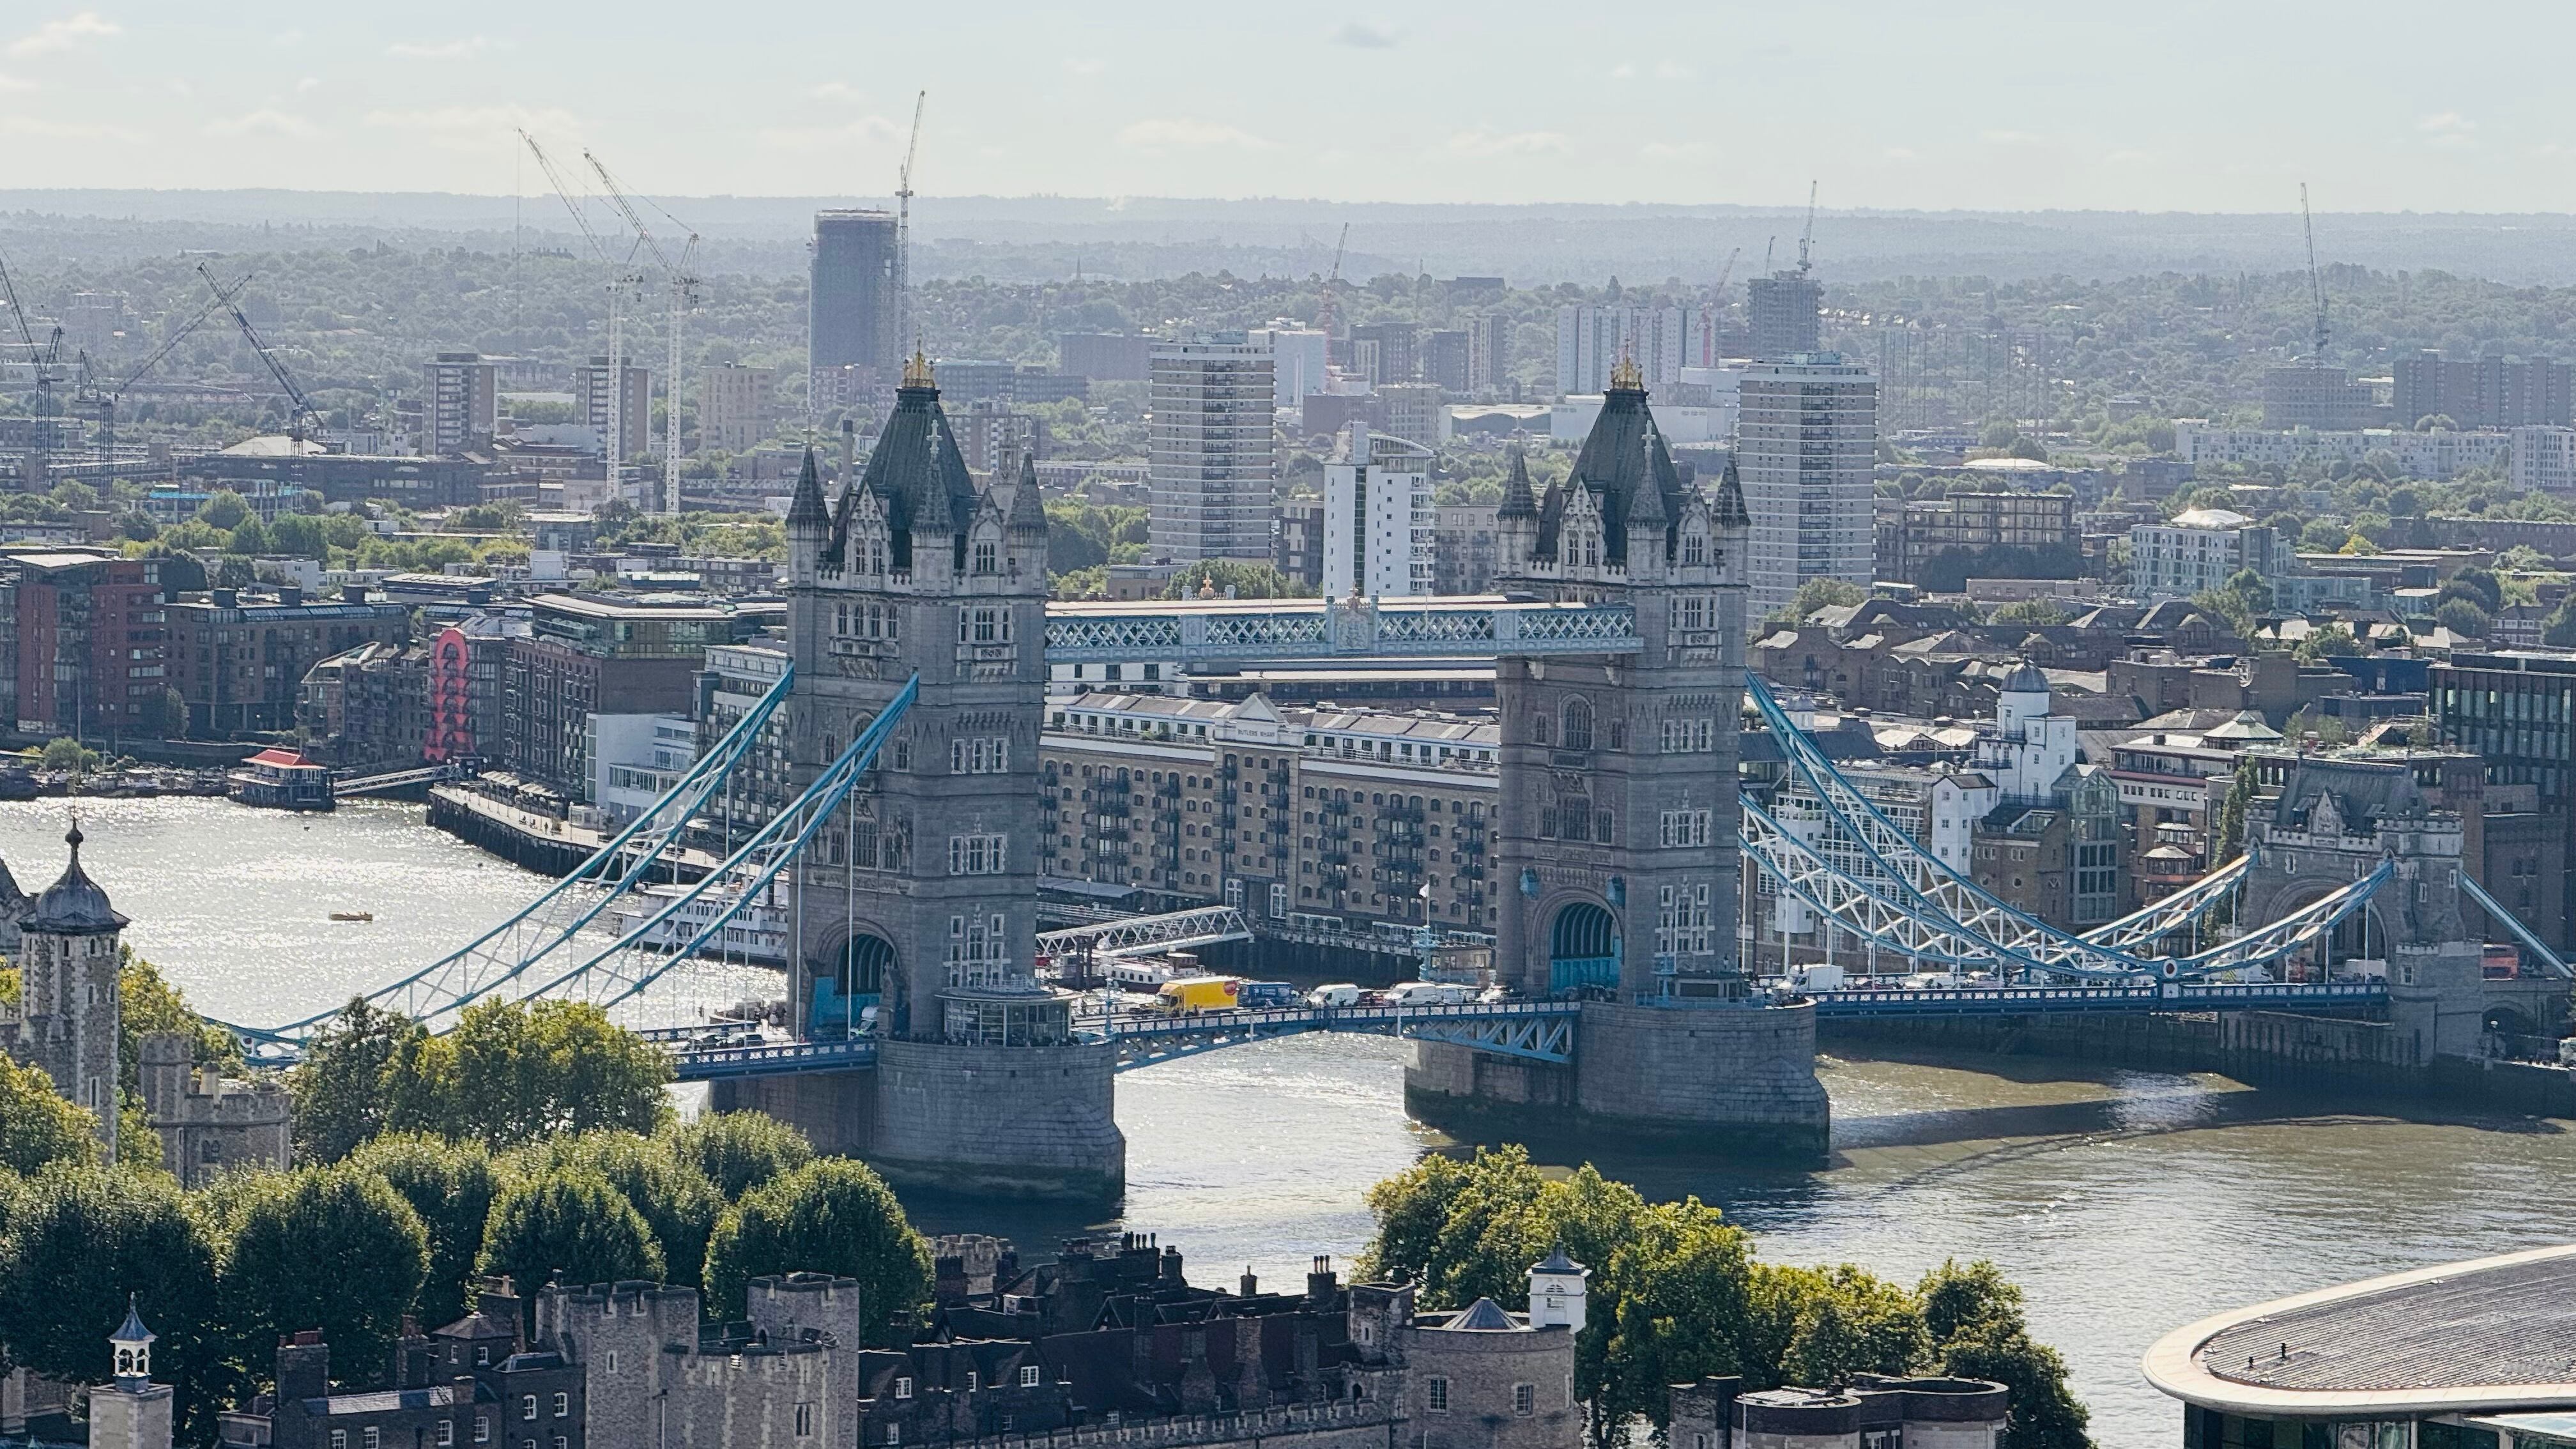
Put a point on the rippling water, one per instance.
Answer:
(2125, 1203)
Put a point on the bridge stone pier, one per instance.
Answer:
(1617, 838)
(2338, 820)
(919, 900)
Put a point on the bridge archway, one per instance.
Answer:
(844, 981)
(1582, 948)
(2364, 933)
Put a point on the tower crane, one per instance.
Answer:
(2316, 282)
(1326, 313)
(621, 278)
(299, 413)
(1725, 272)
(683, 280)
(41, 357)
(1807, 238)
(903, 230)
(90, 395)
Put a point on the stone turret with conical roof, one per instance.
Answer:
(809, 521)
(1027, 519)
(66, 1017)
(1516, 521)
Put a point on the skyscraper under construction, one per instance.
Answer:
(852, 307)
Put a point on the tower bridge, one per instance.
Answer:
(923, 1039)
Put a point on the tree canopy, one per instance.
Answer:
(570, 1222)
(830, 1216)
(738, 1151)
(333, 1248)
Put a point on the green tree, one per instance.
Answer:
(80, 1242)
(2559, 630)
(677, 1201)
(1244, 580)
(250, 538)
(2233, 809)
(62, 752)
(569, 1222)
(2036, 613)
(1850, 1322)
(830, 1216)
(1817, 594)
(1680, 1296)
(737, 1151)
(2330, 640)
(146, 1003)
(450, 1185)
(1975, 1316)
(224, 511)
(333, 1248)
(2477, 585)
(39, 1126)
(344, 1088)
(520, 1071)
(2462, 617)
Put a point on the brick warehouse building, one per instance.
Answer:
(88, 638)
(239, 660)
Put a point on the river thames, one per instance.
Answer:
(2124, 1203)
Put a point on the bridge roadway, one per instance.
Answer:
(1538, 1030)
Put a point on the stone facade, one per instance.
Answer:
(1616, 842)
(1873, 1412)
(922, 899)
(65, 1017)
(209, 1123)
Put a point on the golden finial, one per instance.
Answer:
(916, 371)
(1207, 585)
(1626, 376)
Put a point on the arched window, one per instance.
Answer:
(985, 557)
(1538, 729)
(1578, 724)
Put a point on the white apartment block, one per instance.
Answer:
(2544, 459)
(1806, 440)
(1213, 460)
(2437, 456)
(1378, 517)
(1296, 364)
(2197, 550)
(1661, 340)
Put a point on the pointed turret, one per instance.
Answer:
(1028, 510)
(74, 905)
(1518, 500)
(1729, 511)
(1646, 498)
(809, 511)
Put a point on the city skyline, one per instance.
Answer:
(1993, 107)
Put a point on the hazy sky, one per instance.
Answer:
(2154, 106)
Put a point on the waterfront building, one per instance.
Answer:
(2437, 1358)
(467, 662)
(851, 306)
(238, 660)
(736, 679)
(367, 708)
(87, 640)
(586, 655)
(1806, 442)
(1326, 821)
(463, 407)
(1213, 453)
(1377, 517)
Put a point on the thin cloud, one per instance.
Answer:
(1673, 70)
(466, 49)
(1623, 71)
(288, 36)
(2448, 128)
(1899, 153)
(1481, 142)
(309, 83)
(63, 34)
(2011, 138)
(47, 128)
(863, 131)
(1366, 35)
(12, 83)
(1084, 65)
(468, 128)
(1673, 150)
(266, 120)
(1182, 133)
(835, 91)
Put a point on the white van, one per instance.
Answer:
(1426, 993)
(1337, 993)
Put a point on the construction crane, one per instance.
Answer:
(1325, 312)
(1724, 272)
(1807, 238)
(298, 412)
(41, 357)
(2316, 282)
(621, 278)
(903, 231)
(90, 395)
(683, 280)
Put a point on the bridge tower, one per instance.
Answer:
(1617, 837)
(920, 899)
(2337, 820)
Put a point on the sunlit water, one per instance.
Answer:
(2125, 1203)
